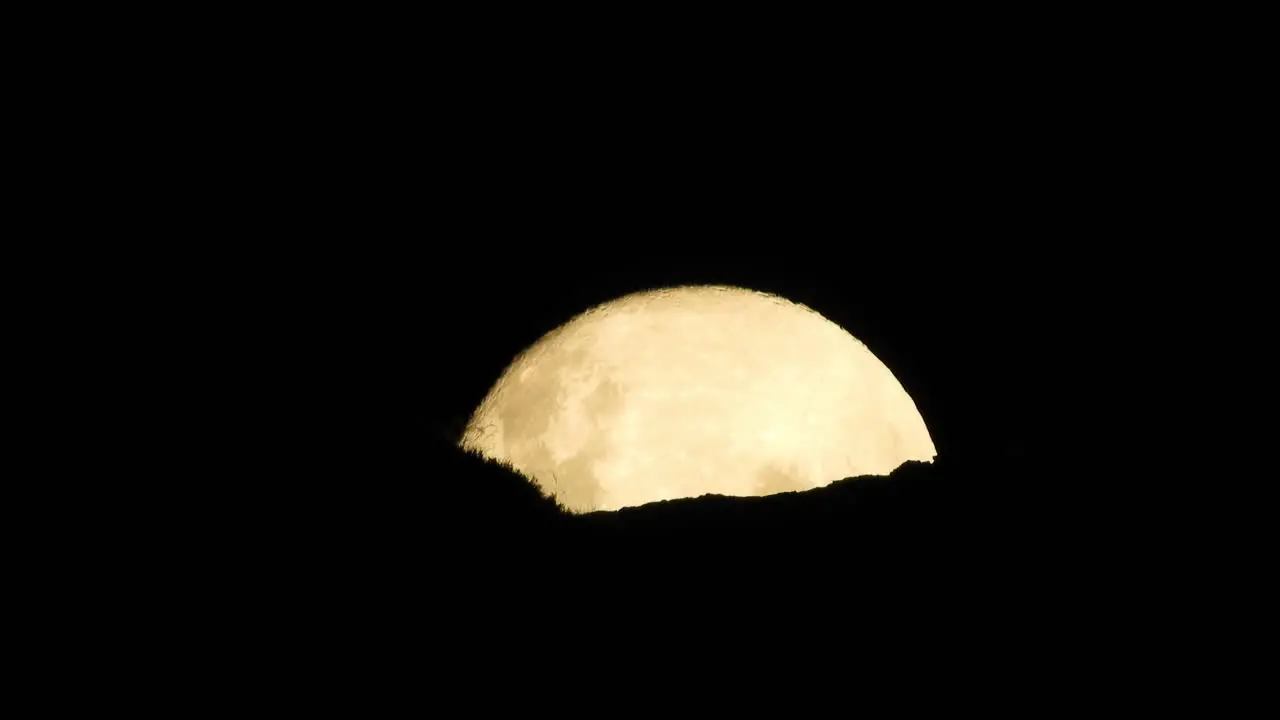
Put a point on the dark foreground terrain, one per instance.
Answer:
(460, 537)
(459, 571)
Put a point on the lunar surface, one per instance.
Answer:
(687, 391)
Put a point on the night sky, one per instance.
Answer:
(967, 333)
(969, 239)
(972, 262)
(374, 218)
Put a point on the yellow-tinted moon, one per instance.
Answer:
(687, 391)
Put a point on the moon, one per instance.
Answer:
(687, 391)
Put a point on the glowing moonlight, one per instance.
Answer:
(694, 390)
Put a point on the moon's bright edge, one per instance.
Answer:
(686, 391)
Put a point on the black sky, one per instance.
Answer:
(415, 224)
(965, 235)
(967, 324)
(376, 215)
(421, 210)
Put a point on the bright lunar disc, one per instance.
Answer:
(687, 391)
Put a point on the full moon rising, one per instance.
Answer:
(687, 391)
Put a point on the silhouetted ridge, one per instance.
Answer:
(474, 483)
(482, 536)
